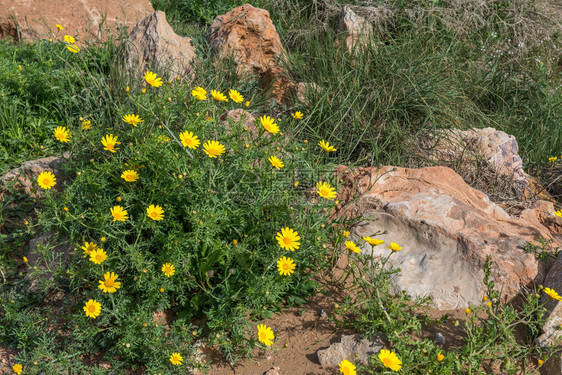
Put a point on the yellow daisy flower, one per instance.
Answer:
(325, 190)
(297, 115)
(88, 247)
(288, 239)
(152, 79)
(394, 247)
(176, 358)
(130, 175)
(269, 124)
(17, 368)
(132, 119)
(98, 256)
(168, 269)
(188, 139)
(92, 308)
(265, 335)
(86, 124)
(213, 148)
(350, 245)
(440, 357)
(552, 294)
(326, 146)
(73, 48)
(46, 180)
(553, 159)
(218, 96)
(69, 39)
(558, 213)
(62, 134)
(286, 266)
(119, 213)
(235, 96)
(347, 368)
(110, 141)
(108, 284)
(276, 162)
(390, 360)
(373, 241)
(199, 93)
(59, 27)
(155, 212)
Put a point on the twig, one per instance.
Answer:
(165, 123)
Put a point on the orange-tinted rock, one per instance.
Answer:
(446, 229)
(84, 19)
(247, 34)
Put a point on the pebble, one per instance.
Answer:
(439, 339)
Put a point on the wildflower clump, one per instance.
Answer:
(172, 212)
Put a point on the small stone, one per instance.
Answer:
(439, 339)
(323, 314)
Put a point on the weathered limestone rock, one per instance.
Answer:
(27, 173)
(87, 19)
(446, 229)
(153, 42)
(358, 30)
(349, 347)
(495, 151)
(239, 115)
(248, 35)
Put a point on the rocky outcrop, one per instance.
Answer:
(248, 36)
(154, 44)
(446, 229)
(87, 19)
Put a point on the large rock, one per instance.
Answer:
(491, 155)
(87, 19)
(446, 229)
(248, 35)
(153, 43)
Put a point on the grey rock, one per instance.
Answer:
(551, 333)
(44, 256)
(350, 347)
(153, 42)
(439, 339)
(353, 24)
(494, 151)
